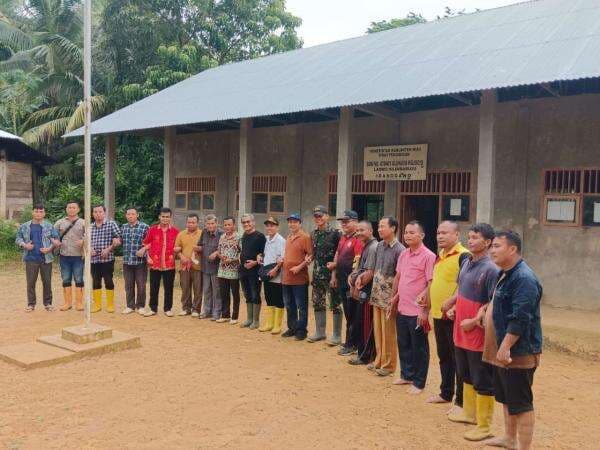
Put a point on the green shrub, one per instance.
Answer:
(8, 232)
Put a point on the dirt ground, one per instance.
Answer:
(198, 384)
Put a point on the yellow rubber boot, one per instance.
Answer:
(268, 325)
(97, 303)
(484, 405)
(79, 298)
(277, 321)
(467, 415)
(110, 300)
(68, 294)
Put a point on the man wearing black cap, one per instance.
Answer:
(298, 248)
(325, 240)
(346, 260)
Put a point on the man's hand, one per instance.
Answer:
(358, 284)
(279, 260)
(423, 318)
(349, 281)
(391, 307)
(296, 269)
(79, 243)
(259, 259)
(451, 313)
(184, 259)
(150, 260)
(503, 355)
(250, 264)
(105, 252)
(141, 252)
(333, 283)
(28, 246)
(330, 265)
(56, 243)
(447, 306)
(308, 259)
(480, 317)
(468, 324)
(273, 272)
(423, 301)
(116, 242)
(197, 248)
(213, 256)
(45, 250)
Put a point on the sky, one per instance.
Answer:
(332, 20)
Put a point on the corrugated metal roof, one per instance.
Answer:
(526, 43)
(5, 135)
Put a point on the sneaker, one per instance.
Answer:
(127, 311)
(300, 336)
(222, 320)
(233, 321)
(49, 308)
(289, 333)
(140, 311)
(30, 308)
(347, 351)
(195, 314)
(371, 366)
(356, 361)
(212, 319)
(169, 313)
(182, 313)
(149, 313)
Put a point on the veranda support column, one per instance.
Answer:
(169, 148)
(245, 167)
(486, 159)
(110, 161)
(345, 156)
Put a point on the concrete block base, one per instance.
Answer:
(73, 343)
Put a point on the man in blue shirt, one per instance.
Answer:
(135, 270)
(38, 238)
(513, 340)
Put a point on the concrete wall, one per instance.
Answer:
(534, 135)
(531, 135)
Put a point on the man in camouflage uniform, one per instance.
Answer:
(325, 241)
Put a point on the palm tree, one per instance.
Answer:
(45, 41)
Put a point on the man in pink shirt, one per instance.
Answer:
(414, 273)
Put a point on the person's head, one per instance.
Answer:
(191, 223)
(229, 224)
(99, 212)
(164, 216)
(131, 215)
(294, 222)
(349, 221)
(210, 223)
(72, 208)
(320, 216)
(248, 223)
(271, 226)
(38, 212)
(480, 238)
(506, 249)
(388, 228)
(448, 234)
(364, 231)
(414, 234)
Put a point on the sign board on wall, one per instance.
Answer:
(396, 162)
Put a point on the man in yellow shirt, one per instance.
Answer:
(443, 286)
(190, 276)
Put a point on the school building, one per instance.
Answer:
(492, 116)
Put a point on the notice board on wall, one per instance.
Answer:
(396, 162)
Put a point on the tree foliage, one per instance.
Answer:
(383, 25)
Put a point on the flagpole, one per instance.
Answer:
(87, 145)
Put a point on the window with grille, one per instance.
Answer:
(360, 186)
(269, 194)
(195, 193)
(571, 197)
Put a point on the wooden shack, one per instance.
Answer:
(20, 167)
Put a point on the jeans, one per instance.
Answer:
(413, 348)
(444, 339)
(227, 285)
(71, 267)
(295, 298)
(135, 279)
(103, 271)
(211, 302)
(191, 290)
(168, 279)
(32, 271)
(251, 287)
